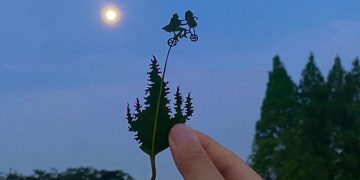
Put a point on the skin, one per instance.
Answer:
(198, 157)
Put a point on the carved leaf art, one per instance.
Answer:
(153, 122)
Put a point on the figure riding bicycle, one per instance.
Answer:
(175, 26)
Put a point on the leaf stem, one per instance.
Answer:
(153, 167)
(152, 153)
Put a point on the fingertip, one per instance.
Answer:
(180, 134)
(189, 155)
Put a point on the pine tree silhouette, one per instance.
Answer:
(313, 129)
(273, 130)
(178, 116)
(188, 106)
(142, 122)
(336, 111)
(319, 137)
(347, 136)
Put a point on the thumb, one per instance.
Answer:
(189, 155)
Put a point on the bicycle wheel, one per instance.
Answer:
(194, 37)
(172, 42)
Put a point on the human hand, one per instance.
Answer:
(199, 157)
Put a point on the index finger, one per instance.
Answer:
(190, 156)
(228, 163)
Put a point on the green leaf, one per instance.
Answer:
(153, 121)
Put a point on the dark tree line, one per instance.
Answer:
(82, 173)
(309, 130)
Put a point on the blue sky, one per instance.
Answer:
(66, 77)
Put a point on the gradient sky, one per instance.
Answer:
(65, 77)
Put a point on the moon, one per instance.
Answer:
(111, 15)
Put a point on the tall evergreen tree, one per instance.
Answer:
(347, 138)
(336, 114)
(273, 130)
(313, 129)
(311, 134)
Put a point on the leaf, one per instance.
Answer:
(142, 122)
(153, 122)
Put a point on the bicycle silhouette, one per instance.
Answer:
(177, 28)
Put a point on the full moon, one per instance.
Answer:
(110, 15)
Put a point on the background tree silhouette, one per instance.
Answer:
(313, 129)
(310, 131)
(347, 138)
(277, 115)
(80, 173)
(336, 112)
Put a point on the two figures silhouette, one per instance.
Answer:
(175, 26)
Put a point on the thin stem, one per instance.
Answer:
(153, 167)
(167, 57)
(152, 153)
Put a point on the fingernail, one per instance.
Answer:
(180, 134)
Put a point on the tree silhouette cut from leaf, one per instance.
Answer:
(154, 138)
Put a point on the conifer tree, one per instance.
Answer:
(348, 137)
(311, 134)
(336, 114)
(273, 130)
(313, 128)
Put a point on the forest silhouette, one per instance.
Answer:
(309, 130)
(87, 173)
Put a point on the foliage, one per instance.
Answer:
(315, 137)
(150, 134)
(85, 173)
(277, 114)
(312, 141)
(348, 131)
